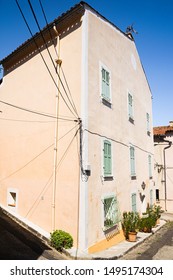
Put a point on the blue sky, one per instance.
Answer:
(151, 18)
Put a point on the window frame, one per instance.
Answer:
(115, 217)
(130, 107)
(105, 100)
(148, 124)
(132, 202)
(150, 167)
(132, 163)
(12, 198)
(107, 175)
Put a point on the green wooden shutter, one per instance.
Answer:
(148, 122)
(132, 161)
(149, 166)
(107, 158)
(105, 84)
(130, 105)
(133, 200)
(151, 198)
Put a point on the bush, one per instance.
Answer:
(130, 222)
(148, 220)
(61, 239)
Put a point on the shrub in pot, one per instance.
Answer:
(158, 211)
(130, 224)
(148, 220)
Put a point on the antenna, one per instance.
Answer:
(130, 29)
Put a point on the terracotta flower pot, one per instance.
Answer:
(132, 236)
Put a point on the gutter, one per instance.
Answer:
(165, 180)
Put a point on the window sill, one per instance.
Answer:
(12, 205)
(109, 229)
(131, 120)
(106, 102)
(108, 178)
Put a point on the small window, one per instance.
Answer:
(132, 163)
(12, 199)
(105, 82)
(133, 201)
(111, 216)
(157, 195)
(130, 108)
(107, 159)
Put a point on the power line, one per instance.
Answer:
(26, 121)
(38, 49)
(35, 112)
(44, 14)
(116, 141)
(16, 171)
(35, 17)
(50, 178)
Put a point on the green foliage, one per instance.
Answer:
(146, 223)
(61, 239)
(130, 222)
(148, 220)
(108, 223)
(158, 211)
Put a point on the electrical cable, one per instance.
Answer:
(47, 25)
(51, 177)
(16, 171)
(44, 14)
(118, 142)
(35, 17)
(35, 112)
(38, 49)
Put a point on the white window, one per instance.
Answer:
(12, 198)
(111, 213)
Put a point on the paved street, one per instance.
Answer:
(157, 247)
(17, 243)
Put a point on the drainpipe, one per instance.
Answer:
(164, 157)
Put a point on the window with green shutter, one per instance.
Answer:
(132, 162)
(150, 167)
(148, 124)
(130, 108)
(151, 198)
(133, 201)
(111, 212)
(105, 84)
(107, 158)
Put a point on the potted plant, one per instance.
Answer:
(158, 211)
(130, 225)
(148, 220)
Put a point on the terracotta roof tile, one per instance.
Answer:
(162, 130)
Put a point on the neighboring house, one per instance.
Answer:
(163, 165)
(103, 162)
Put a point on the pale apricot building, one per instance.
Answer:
(163, 166)
(77, 157)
